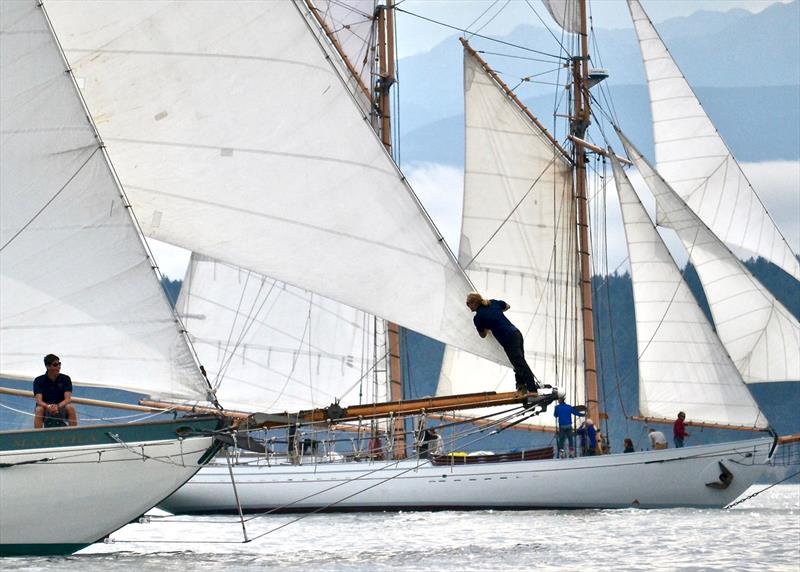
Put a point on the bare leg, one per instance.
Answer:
(72, 415)
(38, 417)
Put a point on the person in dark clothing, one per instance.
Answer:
(53, 394)
(588, 437)
(679, 433)
(489, 317)
(628, 443)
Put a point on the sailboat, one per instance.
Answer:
(76, 279)
(201, 124)
(527, 256)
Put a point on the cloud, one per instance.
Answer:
(440, 189)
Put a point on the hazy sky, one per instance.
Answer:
(416, 35)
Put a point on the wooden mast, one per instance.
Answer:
(580, 122)
(385, 81)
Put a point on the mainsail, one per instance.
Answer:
(74, 275)
(518, 241)
(254, 152)
(268, 346)
(682, 363)
(696, 162)
(760, 334)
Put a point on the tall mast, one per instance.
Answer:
(383, 85)
(580, 122)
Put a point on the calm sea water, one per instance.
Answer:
(761, 534)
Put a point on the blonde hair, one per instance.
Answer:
(473, 297)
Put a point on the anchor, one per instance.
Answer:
(725, 478)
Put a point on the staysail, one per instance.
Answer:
(682, 363)
(236, 138)
(760, 334)
(696, 162)
(74, 275)
(566, 13)
(268, 346)
(518, 241)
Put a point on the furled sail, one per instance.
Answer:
(236, 138)
(760, 334)
(271, 347)
(74, 275)
(696, 162)
(566, 13)
(682, 364)
(518, 241)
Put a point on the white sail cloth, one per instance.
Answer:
(696, 162)
(235, 138)
(267, 346)
(74, 275)
(518, 241)
(566, 13)
(760, 334)
(682, 363)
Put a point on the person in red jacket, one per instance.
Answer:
(679, 430)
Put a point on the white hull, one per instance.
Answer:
(70, 496)
(648, 479)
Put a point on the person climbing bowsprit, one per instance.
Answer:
(490, 317)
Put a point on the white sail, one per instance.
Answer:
(271, 347)
(352, 25)
(566, 13)
(236, 138)
(518, 241)
(760, 334)
(682, 364)
(696, 162)
(74, 275)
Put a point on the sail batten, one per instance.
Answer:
(693, 158)
(682, 363)
(277, 168)
(104, 314)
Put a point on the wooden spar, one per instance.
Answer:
(581, 118)
(371, 411)
(162, 405)
(335, 41)
(794, 438)
(99, 402)
(386, 75)
(596, 149)
(663, 421)
(515, 99)
(488, 422)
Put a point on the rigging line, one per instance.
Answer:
(559, 42)
(51, 199)
(490, 19)
(482, 14)
(294, 364)
(503, 42)
(235, 493)
(513, 210)
(755, 494)
(236, 314)
(515, 57)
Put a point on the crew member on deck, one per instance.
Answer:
(53, 394)
(489, 317)
(563, 412)
(679, 433)
(657, 439)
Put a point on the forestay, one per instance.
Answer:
(682, 364)
(759, 333)
(696, 162)
(271, 347)
(74, 275)
(236, 138)
(518, 241)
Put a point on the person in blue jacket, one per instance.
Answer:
(588, 436)
(490, 317)
(564, 412)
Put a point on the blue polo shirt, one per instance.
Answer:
(564, 413)
(52, 391)
(492, 318)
